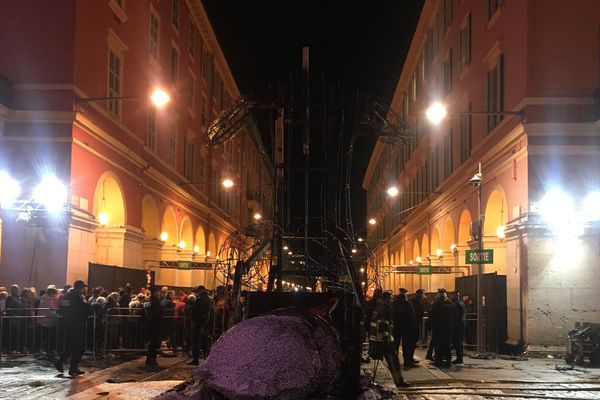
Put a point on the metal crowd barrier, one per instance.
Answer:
(124, 331)
(38, 332)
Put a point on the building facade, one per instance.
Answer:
(142, 186)
(520, 80)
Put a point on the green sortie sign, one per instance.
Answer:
(480, 256)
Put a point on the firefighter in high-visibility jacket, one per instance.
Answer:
(381, 339)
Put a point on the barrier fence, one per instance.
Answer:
(469, 334)
(40, 332)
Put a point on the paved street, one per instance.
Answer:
(476, 379)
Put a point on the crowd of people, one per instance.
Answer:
(398, 321)
(65, 322)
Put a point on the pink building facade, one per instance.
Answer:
(539, 61)
(143, 187)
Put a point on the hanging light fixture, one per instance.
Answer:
(500, 230)
(103, 216)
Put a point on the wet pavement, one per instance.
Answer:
(487, 379)
(128, 378)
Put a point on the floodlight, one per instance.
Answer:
(556, 208)
(10, 189)
(591, 206)
(436, 113)
(227, 183)
(160, 98)
(392, 191)
(51, 193)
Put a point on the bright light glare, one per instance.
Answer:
(160, 98)
(362, 270)
(439, 252)
(164, 236)
(392, 191)
(436, 113)
(10, 189)
(285, 247)
(196, 249)
(557, 209)
(372, 221)
(257, 216)
(360, 239)
(51, 193)
(453, 247)
(500, 232)
(103, 218)
(182, 244)
(290, 253)
(591, 206)
(419, 259)
(353, 250)
(227, 183)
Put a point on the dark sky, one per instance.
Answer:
(361, 44)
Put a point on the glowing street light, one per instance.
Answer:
(439, 252)
(360, 239)
(436, 113)
(257, 216)
(353, 251)
(196, 249)
(290, 253)
(392, 191)
(227, 183)
(10, 189)
(362, 270)
(160, 98)
(182, 244)
(285, 247)
(372, 221)
(103, 218)
(51, 193)
(164, 236)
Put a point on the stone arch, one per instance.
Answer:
(200, 240)
(464, 228)
(169, 227)
(402, 260)
(212, 245)
(416, 251)
(109, 201)
(495, 211)
(425, 251)
(186, 235)
(435, 239)
(448, 237)
(150, 224)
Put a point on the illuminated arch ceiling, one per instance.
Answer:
(448, 238)
(150, 224)
(109, 201)
(496, 213)
(425, 246)
(169, 226)
(186, 236)
(464, 228)
(200, 240)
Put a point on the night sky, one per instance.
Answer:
(360, 44)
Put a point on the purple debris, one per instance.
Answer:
(291, 354)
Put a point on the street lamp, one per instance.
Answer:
(158, 97)
(372, 221)
(257, 216)
(227, 183)
(476, 180)
(392, 191)
(437, 112)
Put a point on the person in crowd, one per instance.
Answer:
(152, 315)
(381, 338)
(420, 306)
(199, 316)
(458, 328)
(168, 325)
(95, 294)
(48, 322)
(114, 324)
(125, 296)
(442, 319)
(74, 312)
(3, 297)
(13, 302)
(62, 294)
(36, 297)
(405, 327)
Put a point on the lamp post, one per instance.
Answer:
(476, 180)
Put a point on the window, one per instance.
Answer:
(447, 14)
(173, 146)
(465, 44)
(493, 6)
(174, 65)
(465, 136)
(191, 91)
(495, 93)
(154, 32)
(448, 74)
(151, 128)
(203, 111)
(175, 15)
(114, 83)
(192, 39)
(448, 156)
(188, 159)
